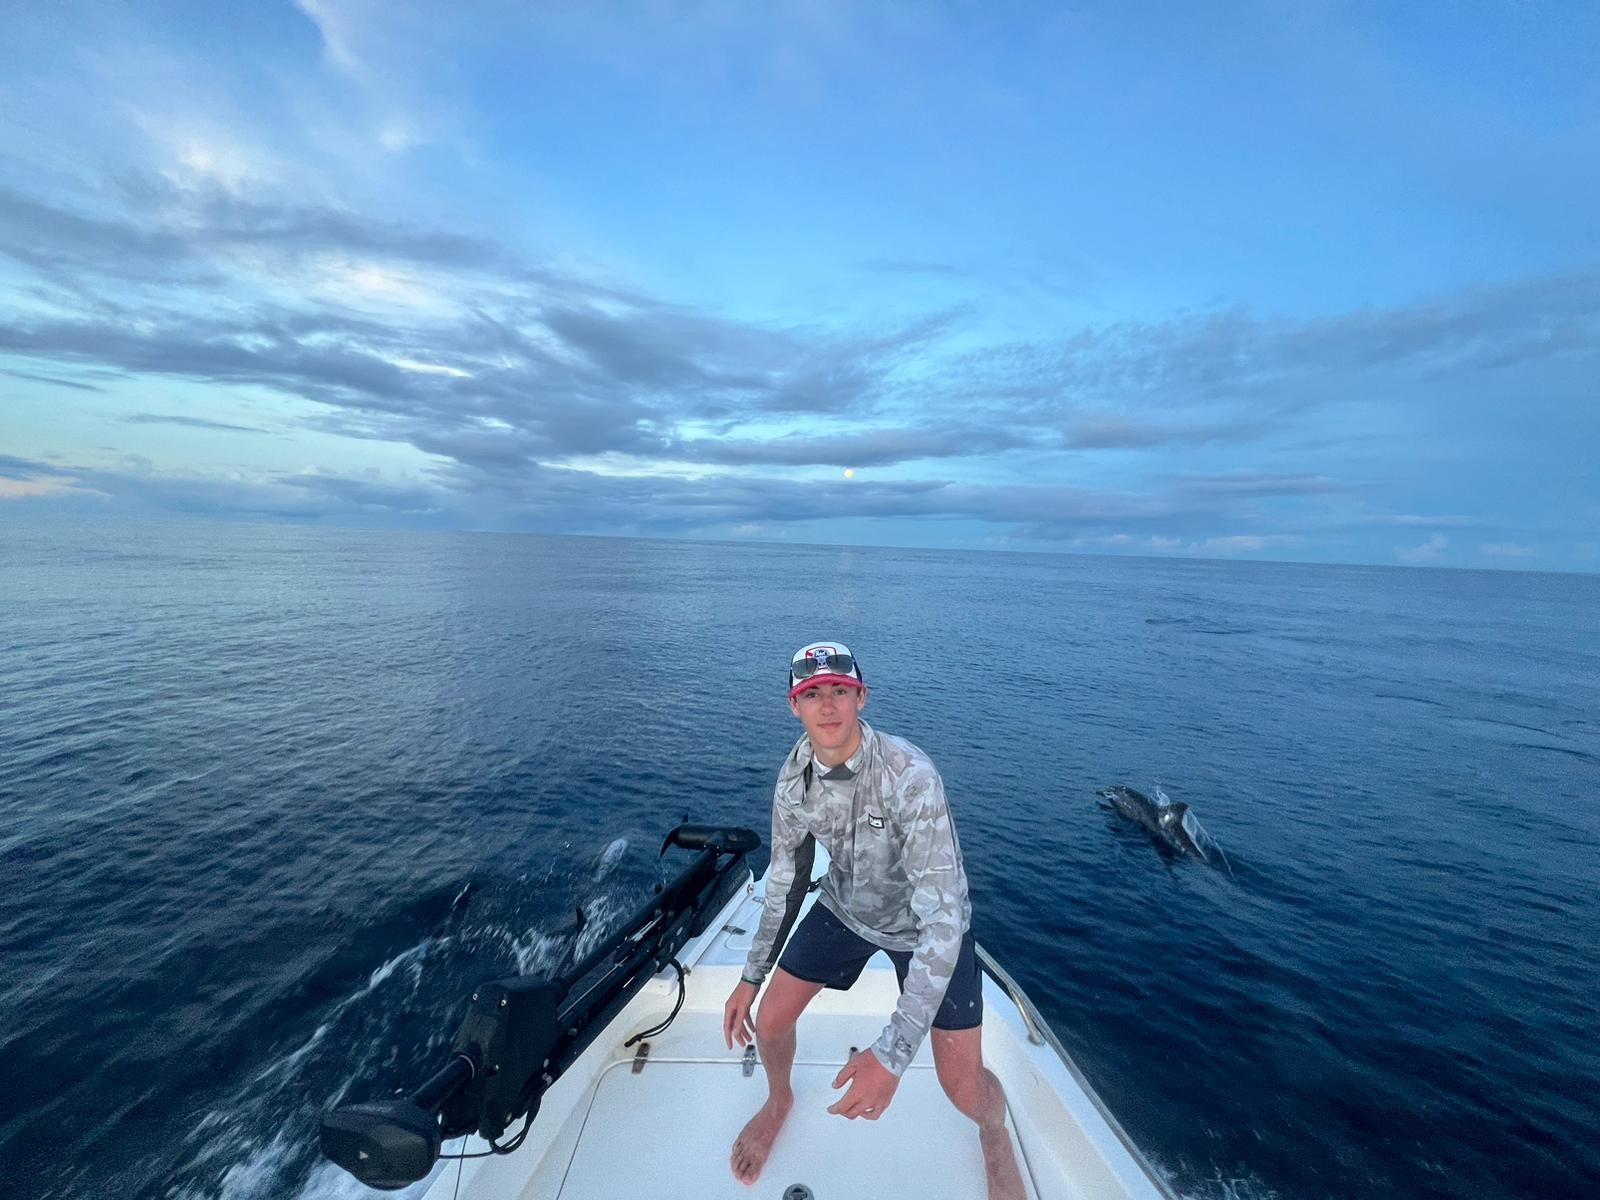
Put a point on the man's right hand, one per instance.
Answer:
(736, 1022)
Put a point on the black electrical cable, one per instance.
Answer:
(516, 1142)
(495, 1148)
(683, 991)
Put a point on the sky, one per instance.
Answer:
(1302, 281)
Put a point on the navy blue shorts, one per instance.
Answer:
(823, 950)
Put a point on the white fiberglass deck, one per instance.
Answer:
(665, 1132)
(606, 1132)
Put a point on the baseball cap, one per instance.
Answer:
(823, 662)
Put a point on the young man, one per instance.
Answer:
(895, 883)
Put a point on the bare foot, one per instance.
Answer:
(1000, 1165)
(754, 1143)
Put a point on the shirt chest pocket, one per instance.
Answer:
(874, 839)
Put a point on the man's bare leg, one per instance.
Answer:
(785, 999)
(972, 1087)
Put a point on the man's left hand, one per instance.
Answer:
(871, 1087)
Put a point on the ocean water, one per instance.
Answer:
(272, 799)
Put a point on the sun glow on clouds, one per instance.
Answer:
(28, 489)
(357, 284)
(199, 155)
(218, 164)
(365, 285)
(399, 134)
(411, 364)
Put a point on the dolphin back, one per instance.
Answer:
(1171, 822)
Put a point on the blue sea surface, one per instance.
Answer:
(272, 799)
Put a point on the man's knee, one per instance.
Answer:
(774, 1020)
(958, 1060)
(962, 1082)
(785, 999)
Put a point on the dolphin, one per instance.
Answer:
(1172, 825)
(612, 856)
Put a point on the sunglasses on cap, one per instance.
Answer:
(823, 663)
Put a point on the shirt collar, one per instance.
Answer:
(850, 767)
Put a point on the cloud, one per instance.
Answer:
(1264, 369)
(529, 364)
(23, 469)
(547, 396)
(333, 23)
(190, 422)
(1429, 552)
(1260, 483)
(369, 495)
(1252, 543)
(870, 448)
(25, 479)
(539, 496)
(64, 245)
(76, 385)
(1508, 550)
(388, 57)
(29, 489)
(1413, 519)
(175, 238)
(1230, 546)
(1108, 431)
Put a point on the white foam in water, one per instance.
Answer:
(601, 915)
(329, 1182)
(258, 1172)
(537, 952)
(1234, 1188)
(410, 958)
(256, 1176)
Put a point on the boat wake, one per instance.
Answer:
(260, 1143)
(1224, 1187)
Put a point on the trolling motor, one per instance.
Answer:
(521, 1033)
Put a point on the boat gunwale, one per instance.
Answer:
(1041, 1034)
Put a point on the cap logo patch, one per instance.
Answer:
(820, 655)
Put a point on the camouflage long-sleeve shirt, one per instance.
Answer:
(896, 877)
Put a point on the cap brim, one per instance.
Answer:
(819, 680)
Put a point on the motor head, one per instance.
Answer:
(724, 839)
(388, 1145)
